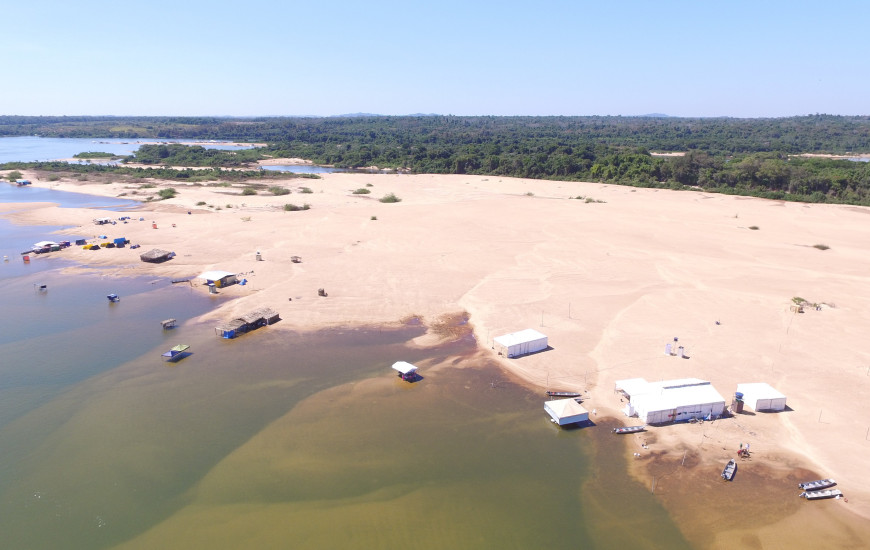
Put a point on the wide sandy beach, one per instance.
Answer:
(610, 274)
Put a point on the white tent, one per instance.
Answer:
(676, 400)
(761, 396)
(520, 343)
(566, 411)
(43, 244)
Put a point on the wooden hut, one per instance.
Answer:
(249, 321)
(156, 256)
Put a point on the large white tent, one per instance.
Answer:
(761, 396)
(566, 411)
(672, 400)
(520, 343)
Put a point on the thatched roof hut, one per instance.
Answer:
(249, 321)
(156, 256)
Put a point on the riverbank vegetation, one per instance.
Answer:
(757, 157)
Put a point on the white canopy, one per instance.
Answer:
(566, 411)
(215, 275)
(761, 396)
(43, 244)
(404, 367)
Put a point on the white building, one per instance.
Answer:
(760, 396)
(566, 411)
(520, 343)
(672, 400)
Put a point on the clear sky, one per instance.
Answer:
(469, 57)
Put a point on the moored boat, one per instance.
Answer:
(563, 394)
(113, 297)
(827, 493)
(628, 429)
(817, 485)
(730, 470)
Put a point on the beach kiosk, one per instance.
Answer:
(566, 411)
(762, 397)
(520, 343)
(407, 371)
(219, 279)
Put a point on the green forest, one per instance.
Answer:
(755, 157)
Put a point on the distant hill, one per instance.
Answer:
(655, 115)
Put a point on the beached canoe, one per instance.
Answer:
(817, 495)
(563, 394)
(628, 429)
(817, 485)
(730, 470)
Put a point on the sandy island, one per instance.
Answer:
(609, 273)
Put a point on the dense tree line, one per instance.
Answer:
(744, 156)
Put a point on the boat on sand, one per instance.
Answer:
(730, 470)
(817, 495)
(628, 429)
(563, 394)
(817, 485)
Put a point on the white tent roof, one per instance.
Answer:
(215, 275)
(528, 335)
(566, 409)
(632, 386)
(668, 395)
(760, 390)
(404, 367)
(42, 244)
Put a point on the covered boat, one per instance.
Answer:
(407, 371)
(113, 297)
(176, 353)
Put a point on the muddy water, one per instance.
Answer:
(280, 439)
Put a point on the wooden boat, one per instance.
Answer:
(730, 470)
(563, 394)
(817, 485)
(176, 353)
(168, 323)
(827, 493)
(113, 298)
(628, 429)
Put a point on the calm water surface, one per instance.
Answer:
(33, 148)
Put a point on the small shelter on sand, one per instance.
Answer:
(219, 278)
(407, 371)
(761, 396)
(156, 256)
(520, 343)
(566, 411)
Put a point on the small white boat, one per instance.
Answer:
(827, 493)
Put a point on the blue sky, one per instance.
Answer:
(631, 57)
